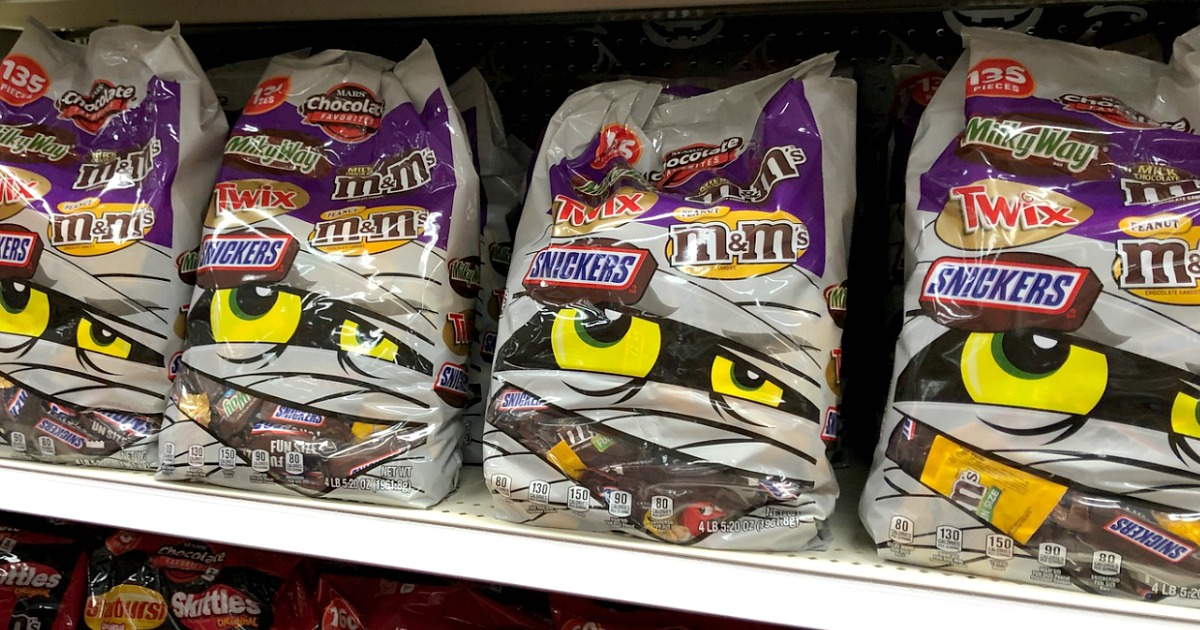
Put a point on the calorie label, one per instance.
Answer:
(949, 538)
(620, 503)
(260, 460)
(539, 492)
(1106, 563)
(502, 484)
(1052, 555)
(294, 463)
(999, 547)
(901, 530)
(661, 508)
(195, 457)
(227, 458)
(579, 499)
(18, 442)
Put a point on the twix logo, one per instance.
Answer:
(14, 189)
(983, 210)
(230, 198)
(578, 214)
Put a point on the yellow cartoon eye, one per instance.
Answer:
(1026, 369)
(625, 345)
(254, 314)
(97, 337)
(739, 381)
(25, 310)
(1185, 415)
(366, 340)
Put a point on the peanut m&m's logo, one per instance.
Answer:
(722, 243)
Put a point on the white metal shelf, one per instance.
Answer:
(845, 587)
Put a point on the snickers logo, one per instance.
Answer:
(127, 423)
(17, 404)
(61, 433)
(235, 258)
(451, 384)
(1150, 539)
(266, 426)
(20, 251)
(594, 270)
(1008, 291)
(514, 400)
(295, 416)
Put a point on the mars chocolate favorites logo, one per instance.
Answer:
(779, 164)
(397, 174)
(347, 112)
(92, 110)
(684, 163)
(1113, 111)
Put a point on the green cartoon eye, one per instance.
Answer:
(366, 340)
(254, 314)
(1185, 415)
(25, 310)
(1027, 369)
(100, 338)
(627, 345)
(738, 380)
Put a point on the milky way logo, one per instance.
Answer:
(347, 112)
(91, 111)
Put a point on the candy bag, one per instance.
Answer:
(42, 579)
(107, 153)
(501, 162)
(150, 581)
(668, 355)
(326, 354)
(1043, 424)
